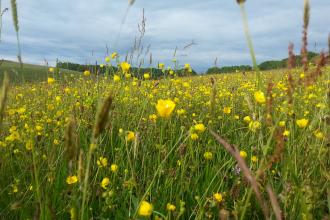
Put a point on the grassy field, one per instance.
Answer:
(117, 147)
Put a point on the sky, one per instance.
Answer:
(78, 31)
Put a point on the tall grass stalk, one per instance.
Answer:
(3, 97)
(100, 123)
(130, 4)
(2, 12)
(246, 171)
(0, 19)
(37, 183)
(250, 44)
(15, 20)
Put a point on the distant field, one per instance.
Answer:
(28, 73)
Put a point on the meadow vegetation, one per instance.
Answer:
(155, 146)
(113, 143)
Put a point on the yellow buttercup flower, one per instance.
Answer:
(247, 119)
(14, 188)
(208, 155)
(114, 168)
(318, 134)
(58, 99)
(153, 118)
(254, 159)
(67, 90)
(165, 108)
(87, 73)
(39, 128)
(254, 125)
(105, 182)
(50, 80)
(187, 66)
(259, 96)
(286, 133)
(29, 145)
(217, 197)
(114, 55)
(181, 111)
(145, 209)
(185, 84)
(102, 162)
(125, 66)
(146, 76)
(161, 66)
(243, 154)
(116, 78)
(120, 131)
(107, 59)
(170, 207)
(194, 136)
(51, 69)
(302, 123)
(227, 110)
(71, 180)
(21, 110)
(130, 136)
(281, 123)
(200, 128)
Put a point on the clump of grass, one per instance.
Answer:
(100, 123)
(246, 171)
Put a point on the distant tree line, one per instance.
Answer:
(228, 69)
(267, 65)
(155, 73)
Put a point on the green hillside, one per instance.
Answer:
(28, 72)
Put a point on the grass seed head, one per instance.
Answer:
(240, 1)
(102, 116)
(131, 2)
(14, 12)
(306, 13)
(70, 139)
(3, 97)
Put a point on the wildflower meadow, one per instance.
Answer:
(113, 142)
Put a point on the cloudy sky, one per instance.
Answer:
(71, 30)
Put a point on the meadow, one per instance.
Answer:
(118, 147)
(113, 142)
